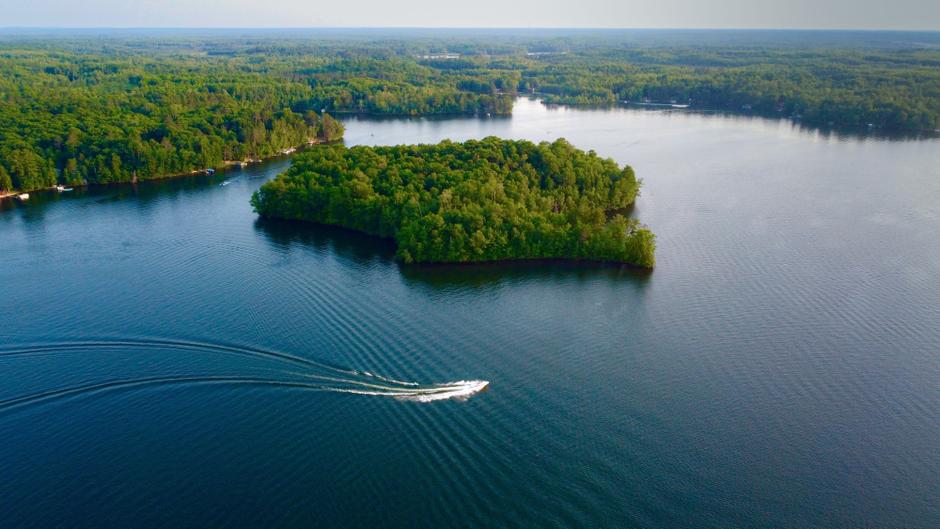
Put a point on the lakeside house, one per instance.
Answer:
(434, 56)
(545, 53)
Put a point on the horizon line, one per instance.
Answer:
(464, 28)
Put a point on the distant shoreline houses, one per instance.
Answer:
(545, 53)
(436, 56)
(455, 56)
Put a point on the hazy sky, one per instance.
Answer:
(874, 14)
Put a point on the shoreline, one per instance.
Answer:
(373, 115)
(225, 165)
(861, 130)
(495, 263)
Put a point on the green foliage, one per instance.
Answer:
(369, 96)
(99, 110)
(6, 183)
(476, 201)
(330, 130)
(887, 90)
(27, 170)
(76, 119)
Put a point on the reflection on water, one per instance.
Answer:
(349, 244)
(144, 193)
(476, 276)
(432, 126)
(366, 250)
(821, 131)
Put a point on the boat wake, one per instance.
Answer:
(460, 390)
(307, 375)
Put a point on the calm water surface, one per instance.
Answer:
(168, 360)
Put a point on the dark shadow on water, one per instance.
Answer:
(144, 195)
(823, 130)
(365, 249)
(368, 250)
(349, 244)
(29, 212)
(149, 192)
(474, 276)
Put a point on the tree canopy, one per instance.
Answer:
(76, 119)
(113, 109)
(482, 200)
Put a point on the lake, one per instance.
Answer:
(169, 360)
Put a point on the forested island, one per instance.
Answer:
(84, 109)
(487, 200)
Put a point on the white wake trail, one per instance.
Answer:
(386, 379)
(462, 390)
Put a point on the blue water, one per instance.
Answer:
(168, 360)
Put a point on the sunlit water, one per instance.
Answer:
(167, 360)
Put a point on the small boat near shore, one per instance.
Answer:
(656, 105)
(63, 189)
(23, 196)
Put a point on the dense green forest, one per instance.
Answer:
(476, 201)
(884, 89)
(120, 106)
(77, 119)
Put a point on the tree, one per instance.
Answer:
(330, 129)
(6, 183)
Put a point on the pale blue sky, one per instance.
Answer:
(844, 14)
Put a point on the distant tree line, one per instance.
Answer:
(882, 94)
(91, 110)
